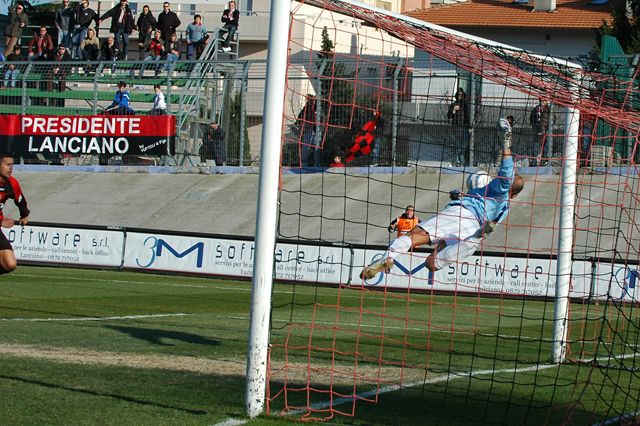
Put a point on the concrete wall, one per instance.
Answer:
(355, 207)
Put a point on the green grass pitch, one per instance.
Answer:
(107, 347)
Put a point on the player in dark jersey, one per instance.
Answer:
(9, 188)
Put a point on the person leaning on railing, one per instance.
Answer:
(121, 104)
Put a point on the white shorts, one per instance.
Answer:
(458, 228)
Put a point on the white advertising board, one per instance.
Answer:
(234, 257)
(313, 263)
(93, 247)
(484, 274)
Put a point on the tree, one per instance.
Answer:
(625, 27)
(327, 46)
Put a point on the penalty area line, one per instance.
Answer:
(445, 377)
(394, 388)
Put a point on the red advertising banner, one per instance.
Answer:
(88, 135)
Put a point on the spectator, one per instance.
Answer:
(159, 103)
(168, 21)
(459, 115)
(41, 45)
(230, 17)
(337, 162)
(109, 52)
(363, 139)
(122, 25)
(90, 46)
(213, 145)
(58, 72)
(121, 104)
(17, 20)
(172, 51)
(539, 119)
(13, 69)
(146, 25)
(196, 38)
(63, 21)
(155, 47)
(80, 21)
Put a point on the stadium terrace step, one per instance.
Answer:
(44, 110)
(104, 95)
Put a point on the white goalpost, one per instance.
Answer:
(257, 352)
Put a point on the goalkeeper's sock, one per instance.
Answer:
(399, 246)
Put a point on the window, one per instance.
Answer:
(386, 5)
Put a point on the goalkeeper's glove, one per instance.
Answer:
(504, 130)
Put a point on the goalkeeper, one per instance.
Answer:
(458, 229)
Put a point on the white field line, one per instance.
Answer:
(246, 318)
(124, 317)
(247, 288)
(439, 379)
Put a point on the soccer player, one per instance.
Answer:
(9, 188)
(459, 228)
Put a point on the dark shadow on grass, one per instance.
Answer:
(100, 394)
(41, 311)
(158, 337)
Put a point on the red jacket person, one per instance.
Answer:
(363, 140)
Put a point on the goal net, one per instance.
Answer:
(540, 323)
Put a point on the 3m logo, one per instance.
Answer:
(398, 267)
(157, 248)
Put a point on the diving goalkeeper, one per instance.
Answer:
(459, 228)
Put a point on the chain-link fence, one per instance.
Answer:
(417, 124)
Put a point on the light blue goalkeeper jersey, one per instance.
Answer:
(491, 203)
